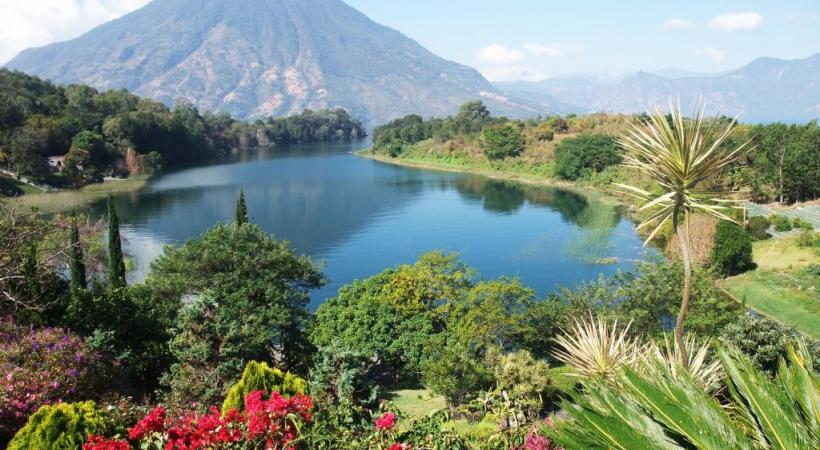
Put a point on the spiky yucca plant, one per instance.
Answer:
(707, 372)
(684, 157)
(594, 349)
(660, 410)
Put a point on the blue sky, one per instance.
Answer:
(522, 39)
(603, 36)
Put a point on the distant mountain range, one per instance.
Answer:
(254, 58)
(766, 90)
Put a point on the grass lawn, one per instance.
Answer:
(416, 403)
(9, 187)
(67, 200)
(781, 287)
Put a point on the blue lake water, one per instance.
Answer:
(357, 216)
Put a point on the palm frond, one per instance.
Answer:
(594, 349)
(681, 157)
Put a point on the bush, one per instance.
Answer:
(268, 422)
(502, 141)
(802, 224)
(63, 426)
(732, 253)
(781, 223)
(456, 373)
(763, 340)
(758, 228)
(807, 239)
(43, 366)
(586, 154)
(257, 376)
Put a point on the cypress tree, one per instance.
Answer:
(116, 264)
(75, 258)
(241, 209)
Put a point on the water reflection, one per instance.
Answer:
(360, 216)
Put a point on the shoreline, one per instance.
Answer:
(71, 199)
(586, 190)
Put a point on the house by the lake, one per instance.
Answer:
(56, 162)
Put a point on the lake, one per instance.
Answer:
(357, 217)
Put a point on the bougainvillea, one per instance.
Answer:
(43, 366)
(272, 423)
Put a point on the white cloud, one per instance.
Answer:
(498, 54)
(513, 73)
(32, 23)
(717, 56)
(676, 24)
(737, 21)
(551, 50)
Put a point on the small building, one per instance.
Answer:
(56, 162)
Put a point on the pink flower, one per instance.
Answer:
(398, 446)
(386, 421)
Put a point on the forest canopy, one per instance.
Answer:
(101, 133)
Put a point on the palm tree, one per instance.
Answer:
(684, 157)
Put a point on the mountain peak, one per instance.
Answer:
(256, 58)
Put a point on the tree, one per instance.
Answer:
(581, 156)
(683, 157)
(250, 294)
(241, 209)
(471, 117)
(502, 141)
(75, 258)
(732, 253)
(116, 263)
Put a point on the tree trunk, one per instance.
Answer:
(683, 243)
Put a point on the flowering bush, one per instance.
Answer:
(45, 366)
(270, 424)
(386, 421)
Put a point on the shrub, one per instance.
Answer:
(43, 366)
(273, 423)
(63, 426)
(544, 133)
(257, 376)
(581, 156)
(502, 141)
(764, 341)
(781, 223)
(758, 228)
(802, 224)
(455, 373)
(732, 253)
(558, 124)
(807, 238)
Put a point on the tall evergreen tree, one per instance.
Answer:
(116, 264)
(75, 258)
(241, 209)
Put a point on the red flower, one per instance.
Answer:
(100, 443)
(154, 422)
(398, 446)
(386, 421)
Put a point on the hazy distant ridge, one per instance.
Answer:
(765, 90)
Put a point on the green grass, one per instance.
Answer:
(9, 187)
(75, 199)
(781, 288)
(416, 403)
